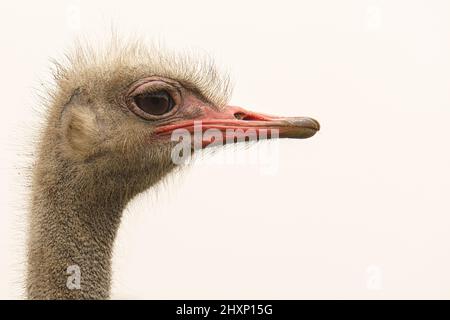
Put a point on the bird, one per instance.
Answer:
(107, 136)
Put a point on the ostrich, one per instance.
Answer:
(106, 138)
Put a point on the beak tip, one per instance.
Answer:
(309, 123)
(307, 126)
(317, 124)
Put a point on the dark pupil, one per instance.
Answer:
(156, 103)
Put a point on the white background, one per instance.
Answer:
(359, 211)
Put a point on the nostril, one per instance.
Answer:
(239, 115)
(244, 116)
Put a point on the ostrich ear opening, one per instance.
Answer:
(80, 129)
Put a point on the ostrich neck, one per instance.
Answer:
(73, 224)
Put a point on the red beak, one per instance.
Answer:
(236, 122)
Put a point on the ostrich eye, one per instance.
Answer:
(155, 103)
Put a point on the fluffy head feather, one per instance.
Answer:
(120, 63)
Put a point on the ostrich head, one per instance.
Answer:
(113, 113)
